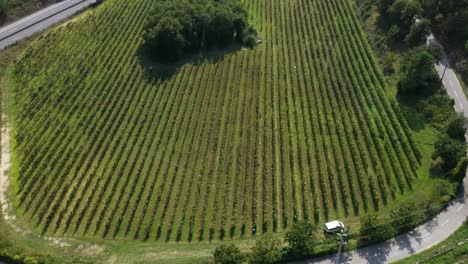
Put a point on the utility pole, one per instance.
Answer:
(341, 244)
(443, 74)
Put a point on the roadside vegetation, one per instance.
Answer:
(11, 10)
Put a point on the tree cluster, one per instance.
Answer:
(176, 27)
(418, 74)
(401, 19)
(3, 8)
(451, 146)
(301, 240)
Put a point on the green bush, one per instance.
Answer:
(450, 150)
(301, 239)
(176, 27)
(228, 254)
(374, 229)
(419, 75)
(267, 250)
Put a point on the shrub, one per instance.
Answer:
(266, 250)
(436, 50)
(373, 229)
(456, 127)
(418, 74)
(228, 254)
(418, 32)
(301, 239)
(450, 150)
(177, 26)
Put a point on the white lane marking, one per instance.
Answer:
(461, 106)
(450, 81)
(425, 235)
(456, 94)
(459, 208)
(445, 222)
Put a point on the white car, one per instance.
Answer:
(334, 227)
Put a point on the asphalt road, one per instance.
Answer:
(432, 232)
(40, 20)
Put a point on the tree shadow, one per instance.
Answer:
(404, 241)
(155, 69)
(377, 253)
(416, 120)
(431, 225)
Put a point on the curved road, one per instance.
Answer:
(40, 20)
(432, 232)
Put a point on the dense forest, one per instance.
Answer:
(176, 27)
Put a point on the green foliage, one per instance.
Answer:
(267, 250)
(175, 27)
(450, 19)
(418, 74)
(436, 50)
(166, 38)
(450, 150)
(460, 171)
(456, 127)
(403, 13)
(437, 108)
(373, 229)
(228, 254)
(418, 33)
(3, 7)
(301, 239)
(405, 217)
(388, 63)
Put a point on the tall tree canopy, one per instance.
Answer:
(176, 27)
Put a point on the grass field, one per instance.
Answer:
(298, 128)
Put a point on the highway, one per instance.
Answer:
(40, 20)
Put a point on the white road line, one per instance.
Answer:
(445, 222)
(461, 106)
(425, 235)
(459, 208)
(456, 94)
(450, 81)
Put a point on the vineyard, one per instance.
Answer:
(299, 127)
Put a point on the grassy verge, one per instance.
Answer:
(453, 250)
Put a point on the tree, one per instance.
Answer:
(228, 254)
(460, 170)
(405, 218)
(403, 13)
(165, 39)
(373, 229)
(179, 26)
(418, 32)
(450, 150)
(436, 50)
(266, 250)
(419, 74)
(3, 7)
(456, 127)
(301, 239)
